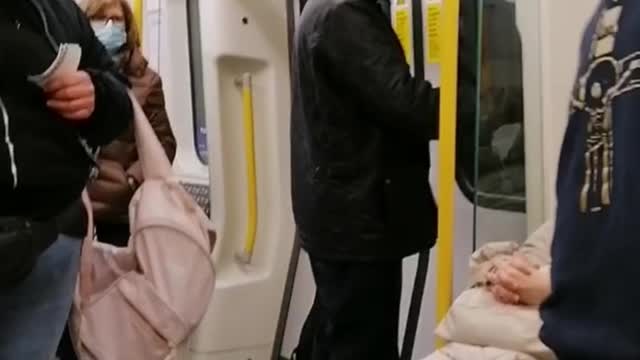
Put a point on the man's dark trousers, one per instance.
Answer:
(355, 311)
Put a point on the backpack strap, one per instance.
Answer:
(153, 158)
(85, 278)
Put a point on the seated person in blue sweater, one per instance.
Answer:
(592, 311)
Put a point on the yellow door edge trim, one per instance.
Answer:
(138, 16)
(447, 158)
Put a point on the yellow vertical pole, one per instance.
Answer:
(138, 11)
(447, 158)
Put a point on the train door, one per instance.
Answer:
(225, 66)
(225, 69)
(492, 178)
(226, 72)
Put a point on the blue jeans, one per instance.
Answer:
(33, 315)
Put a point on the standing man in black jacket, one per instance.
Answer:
(49, 135)
(360, 132)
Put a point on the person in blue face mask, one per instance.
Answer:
(120, 173)
(112, 34)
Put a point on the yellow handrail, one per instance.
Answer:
(250, 154)
(447, 158)
(138, 12)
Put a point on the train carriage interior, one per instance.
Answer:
(225, 66)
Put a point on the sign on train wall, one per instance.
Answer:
(432, 29)
(402, 21)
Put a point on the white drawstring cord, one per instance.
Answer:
(7, 140)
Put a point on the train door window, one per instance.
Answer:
(491, 150)
(197, 86)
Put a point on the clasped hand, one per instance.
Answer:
(72, 95)
(518, 282)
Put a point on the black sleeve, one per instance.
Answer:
(23, 52)
(362, 51)
(113, 111)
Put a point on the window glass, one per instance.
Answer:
(491, 161)
(197, 86)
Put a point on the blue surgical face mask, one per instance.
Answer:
(113, 35)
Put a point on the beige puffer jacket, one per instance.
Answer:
(536, 249)
(469, 352)
(473, 309)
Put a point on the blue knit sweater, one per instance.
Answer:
(594, 312)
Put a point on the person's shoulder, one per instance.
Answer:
(68, 6)
(66, 11)
(344, 7)
(348, 7)
(145, 84)
(317, 11)
(323, 14)
(151, 78)
(153, 75)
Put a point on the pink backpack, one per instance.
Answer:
(143, 301)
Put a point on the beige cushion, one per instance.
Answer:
(455, 351)
(476, 318)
